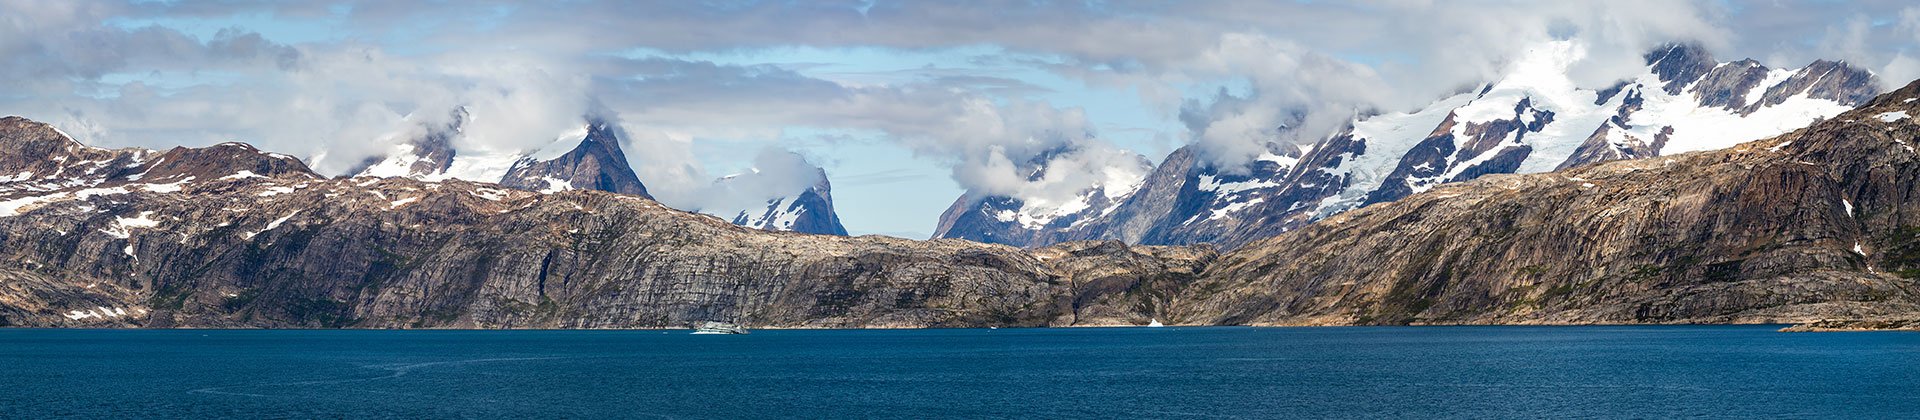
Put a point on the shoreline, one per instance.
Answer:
(1912, 325)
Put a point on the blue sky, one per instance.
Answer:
(906, 104)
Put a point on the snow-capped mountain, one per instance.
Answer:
(809, 211)
(1009, 220)
(428, 157)
(595, 163)
(590, 158)
(1534, 119)
(587, 159)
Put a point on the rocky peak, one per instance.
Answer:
(1727, 86)
(28, 146)
(1823, 79)
(1010, 220)
(1679, 64)
(1526, 122)
(597, 163)
(427, 157)
(810, 211)
(218, 161)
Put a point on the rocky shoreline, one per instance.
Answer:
(1856, 325)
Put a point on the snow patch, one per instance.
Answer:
(1233, 207)
(1774, 77)
(174, 187)
(123, 226)
(283, 219)
(14, 207)
(1891, 116)
(97, 312)
(555, 185)
(273, 191)
(490, 194)
(1221, 189)
(272, 225)
(243, 174)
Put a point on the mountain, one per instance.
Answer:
(590, 159)
(1000, 219)
(230, 236)
(596, 163)
(428, 157)
(1816, 224)
(1533, 120)
(810, 211)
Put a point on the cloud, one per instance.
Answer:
(988, 143)
(665, 161)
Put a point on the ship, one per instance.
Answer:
(711, 327)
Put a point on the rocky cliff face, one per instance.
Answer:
(1818, 223)
(228, 236)
(1534, 120)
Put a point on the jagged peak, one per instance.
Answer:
(596, 162)
(1679, 64)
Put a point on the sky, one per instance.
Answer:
(905, 104)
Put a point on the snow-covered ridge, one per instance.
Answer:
(1653, 116)
(1535, 118)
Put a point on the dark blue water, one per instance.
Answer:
(1533, 372)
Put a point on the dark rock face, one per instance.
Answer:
(1680, 64)
(596, 164)
(811, 211)
(1814, 224)
(1824, 79)
(286, 248)
(1726, 86)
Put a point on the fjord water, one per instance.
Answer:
(1668, 371)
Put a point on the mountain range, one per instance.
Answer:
(590, 159)
(1535, 119)
(1816, 224)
